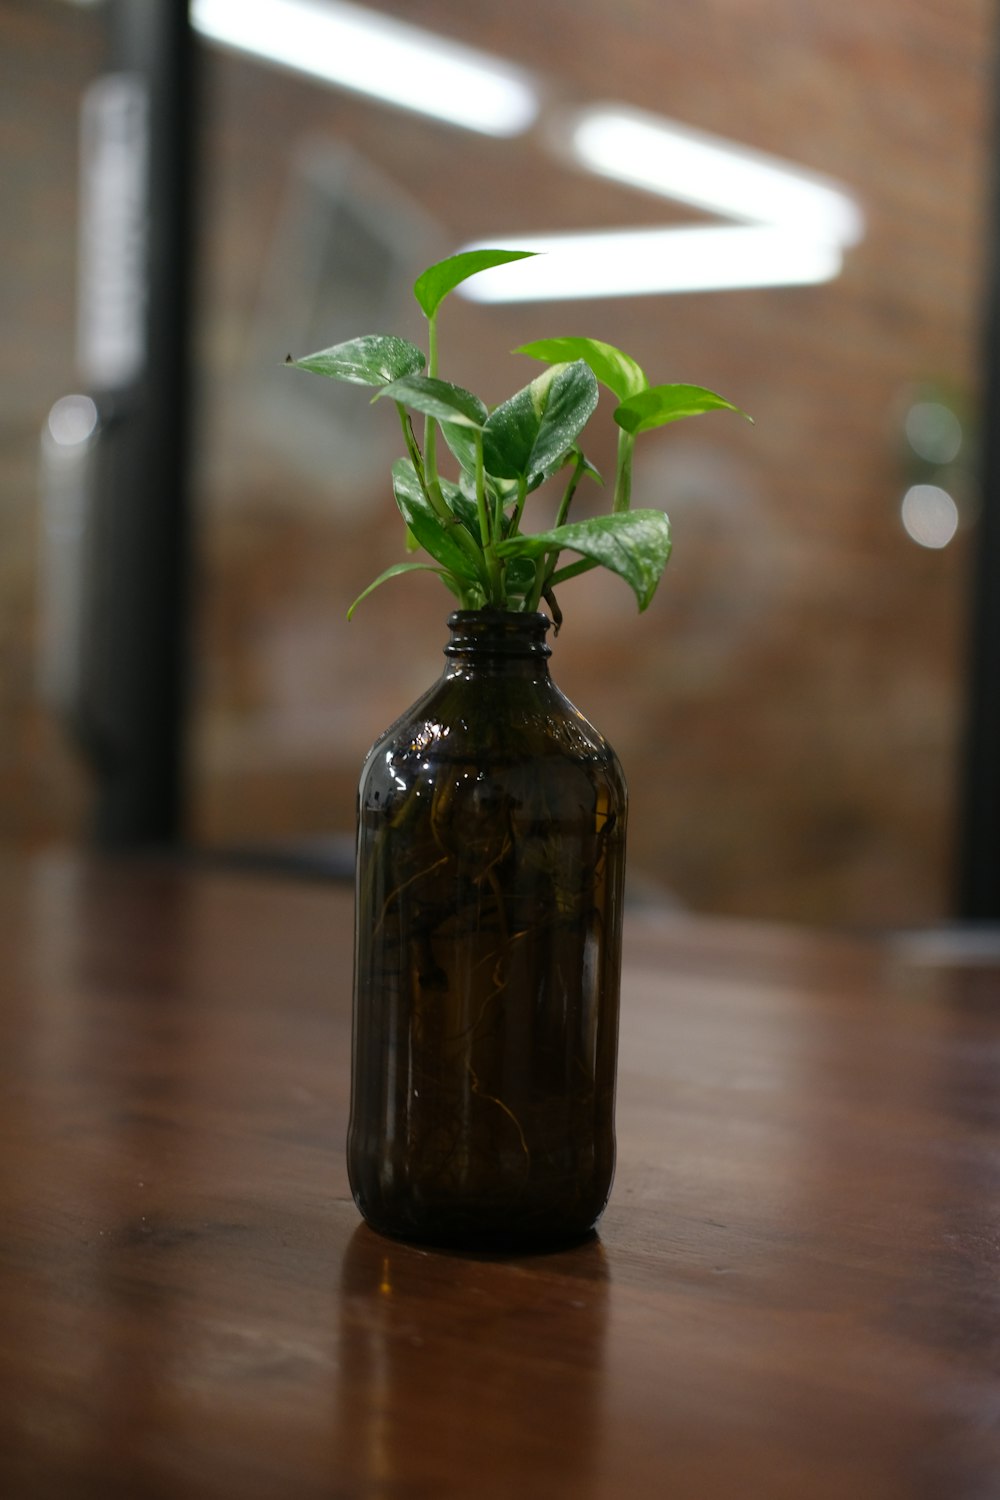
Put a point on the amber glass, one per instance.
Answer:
(491, 851)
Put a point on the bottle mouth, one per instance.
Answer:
(497, 632)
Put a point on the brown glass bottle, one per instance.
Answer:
(491, 849)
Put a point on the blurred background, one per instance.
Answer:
(792, 712)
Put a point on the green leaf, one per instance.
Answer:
(502, 492)
(464, 506)
(519, 578)
(462, 444)
(439, 538)
(431, 288)
(437, 398)
(532, 433)
(635, 545)
(668, 403)
(586, 467)
(405, 567)
(374, 359)
(613, 368)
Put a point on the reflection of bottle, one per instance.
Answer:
(490, 869)
(453, 1361)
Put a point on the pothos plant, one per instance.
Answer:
(471, 526)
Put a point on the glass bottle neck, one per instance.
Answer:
(496, 641)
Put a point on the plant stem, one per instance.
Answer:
(572, 569)
(570, 490)
(486, 530)
(430, 425)
(546, 571)
(623, 472)
(522, 495)
(435, 498)
(416, 457)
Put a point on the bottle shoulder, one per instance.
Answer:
(494, 719)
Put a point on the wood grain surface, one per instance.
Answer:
(794, 1292)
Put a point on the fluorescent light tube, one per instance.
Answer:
(631, 262)
(790, 224)
(689, 166)
(377, 55)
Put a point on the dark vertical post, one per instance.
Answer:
(136, 676)
(979, 832)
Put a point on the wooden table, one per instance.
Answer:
(795, 1291)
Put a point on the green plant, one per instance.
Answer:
(471, 526)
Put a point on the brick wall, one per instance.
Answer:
(788, 710)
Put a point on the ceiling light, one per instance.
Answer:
(377, 55)
(625, 262)
(790, 224)
(689, 166)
